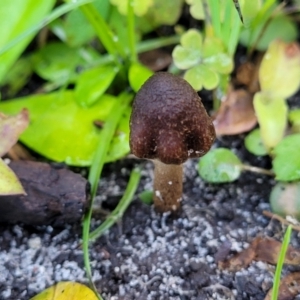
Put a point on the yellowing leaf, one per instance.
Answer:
(272, 118)
(9, 183)
(279, 73)
(66, 291)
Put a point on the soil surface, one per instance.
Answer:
(152, 256)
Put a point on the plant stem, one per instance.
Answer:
(105, 138)
(167, 186)
(121, 207)
(257, 170)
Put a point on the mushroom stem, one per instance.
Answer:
(167, 186)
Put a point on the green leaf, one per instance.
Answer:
(281, 58)
(139, 7)
(9, 183)
(221, 63)
(138, 74)
(146, 197)
(201, 76)
(63, 131)
(57, 62)
(93, 83)
(219, 165)
(294, 119)
(188, 53)
(17, 76)
(159, 13)
(254, 143)
(285, 199)
(280, 27)
(16, 16)
(286, 163)
(196, 9)
(250, 10)
(75, 29)
(272, 118)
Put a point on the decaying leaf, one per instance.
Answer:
(261, 249)
(10, 129)
(289, 287)
(236, 113)
(66, 291)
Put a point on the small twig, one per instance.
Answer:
(280, 219)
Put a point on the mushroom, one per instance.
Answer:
(168, 125)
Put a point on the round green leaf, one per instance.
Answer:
(254, 143)
(196, 9)
(138, 74)
(219, 165)
(285, 199)
(286, 163)
(146, 196)
(201, 76)
(93, 83)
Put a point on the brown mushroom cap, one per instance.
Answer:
(169, 122)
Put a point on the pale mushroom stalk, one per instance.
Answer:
(167, 186)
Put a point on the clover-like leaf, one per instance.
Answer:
(140, 8)
(188, 54)
(201, 76)
(221, 63)
(220, 165)
(280, 58)
(196, 9)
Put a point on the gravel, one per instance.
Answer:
(147, 255)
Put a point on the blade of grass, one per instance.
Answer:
(234, 34)
(56, 13)
(131, 31)
(284, 247)
(214, 7)
(105, 35)
(121, 207)
(105, 138)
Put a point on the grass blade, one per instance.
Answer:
(121, 207)
(106, 135)
(284, 247)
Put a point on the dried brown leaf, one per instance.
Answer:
(289, 287)
(10, 129)
(261, 249)
(236, 114)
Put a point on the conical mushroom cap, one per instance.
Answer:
(169, 122)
